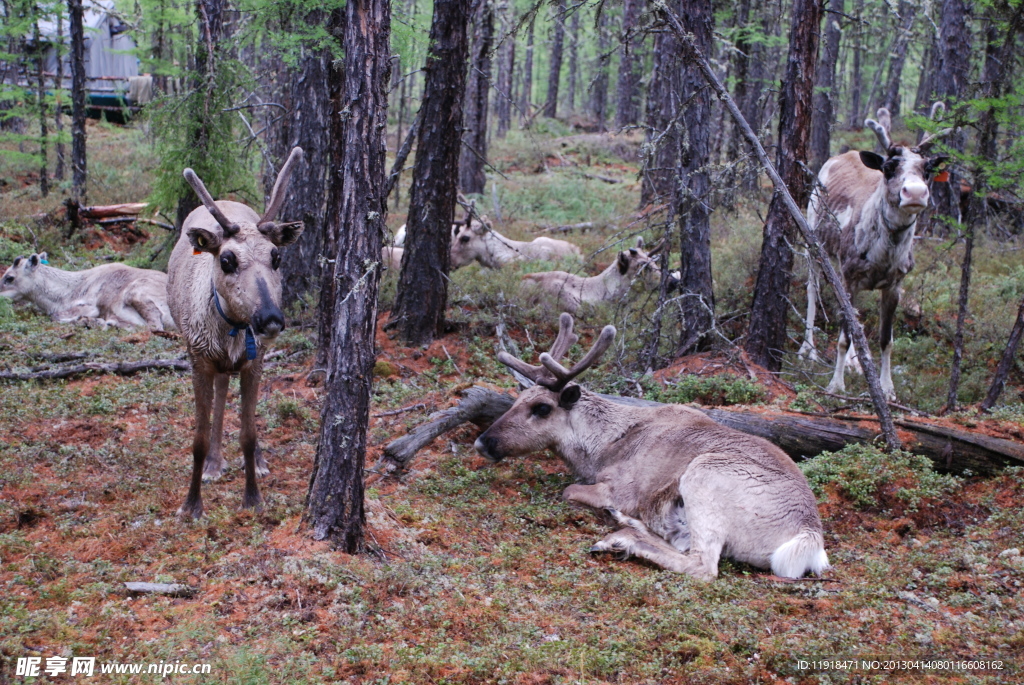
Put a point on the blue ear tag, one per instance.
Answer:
(44, 261)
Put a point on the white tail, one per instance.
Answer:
(803, 553)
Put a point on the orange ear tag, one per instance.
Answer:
(942, 177)
(195, 251)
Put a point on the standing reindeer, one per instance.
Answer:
(865, 212)
(225, 292)
(685, 489)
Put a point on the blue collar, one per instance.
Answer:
(250, 339)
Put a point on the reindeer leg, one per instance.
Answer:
(890, 300)
(215, 466)
(838, 383)
(807, 347)
(202, 387)
(634, 541)
(250, 382)
(596, 496)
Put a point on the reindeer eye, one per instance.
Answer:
(541, 410)
(201, 241)
(464, 239)
(229, 263)
(275, 259)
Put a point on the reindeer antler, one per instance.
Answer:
(197, 185)
(881, 127)
(938, 109)
(281, 185)
(551, 374)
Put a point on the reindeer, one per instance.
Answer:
(684, 489)
(608, 286)
(865, 211)
(225, 290)
(112, 294)
(474, 240)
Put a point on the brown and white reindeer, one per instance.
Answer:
(684, 489)
(225, 293)
(571, 291)
(474, 240)
(111, 294)
(865, 211)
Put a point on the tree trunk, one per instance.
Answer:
(766, 337)
(856, 78)
(691, 197)
(78, 164)
(951, 81)
(891, 101)
(929, 63)
(210, 14)
(44, 181)
(574, 62)
(627, 97)
(356, 213)
(506, 67)
(662, 141)
(599, 84)
(473, 159)
(58, 90)
(526, 85)
(824, 117)
(555, 67)
(423, 284)
(307, 125)
(1006, 362)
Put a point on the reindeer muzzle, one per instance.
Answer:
(487, 446)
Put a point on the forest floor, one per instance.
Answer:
(476, 573)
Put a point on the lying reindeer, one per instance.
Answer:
(612, 284)
(865, 212)
(225, 294)
(685, 489)
(113, 294)
(474, 240)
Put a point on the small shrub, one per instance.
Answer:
(713, 391)
(290, 408)
(871, 479)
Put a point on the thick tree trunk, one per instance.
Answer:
(44, 180)
(526, 89)
(423, 284)
(78, 163)
(356, 212)
(473, 157)
(506, 67)
(929, 61)
(856, 77)
(691, 199)
(951, 81)
(898, 58)
(627, 96)
(210, 14)
(555, 66)
(574, 62)
(58, 90)
(599, 83)
(662, 141)
(306, 125)
(824, 117)
(766, 337)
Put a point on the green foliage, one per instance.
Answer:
(712, 391)
(872, 479)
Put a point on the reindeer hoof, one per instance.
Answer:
(253, 502)
(262, 470)
(189, 512)
(213, 471)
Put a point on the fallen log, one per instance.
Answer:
(798, 435)
(109, 211)
(118, 368)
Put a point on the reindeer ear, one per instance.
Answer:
(640, 241)
(872, 160)
(282, 234)
(477, 227)
(623, 262)
(568, 398)
(17, 261)
(204, 240)
(43, 258)
(33, 262)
